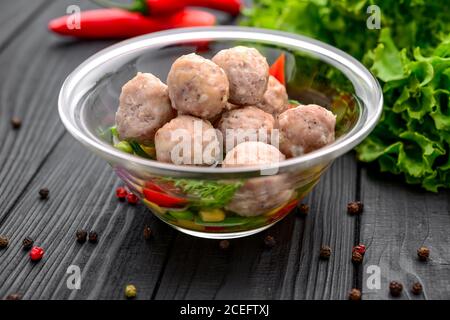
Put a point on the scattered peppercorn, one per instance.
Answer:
(27, 243)
(130, 291)
(325, 252)
(357, 257)
(355, 207)
(270, 242)
(147, 233)
(303, 209)
(360, 248)
(93, 237)
(121, 193)
(395, 288)
(417, 288)
(43, 193)
(224, 244)
(14, 296)
(36, 253)
(81, 235)
(4, 241)
(132, 198)
(423, 253)
(16, 122)
(355, 294)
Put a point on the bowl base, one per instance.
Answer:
(221, 235)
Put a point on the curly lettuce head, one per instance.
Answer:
(410, 55)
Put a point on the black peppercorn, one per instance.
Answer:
(395, 288)
(325, 252)
(303, 209)
(270, 241)
(355, 207)
(423, 253)
(224, 244)
(355, 294)
(417, 288)
(147, 233)
(14, 296)
(16, 123)
(4, 241)
(43, 193)
(81, 236)
(27, 243)
(357, 257)
(93, 237)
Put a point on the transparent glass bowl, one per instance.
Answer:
(316, 73)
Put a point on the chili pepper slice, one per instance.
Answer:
(286, 209)
(214, 229)
(162, 199)
(163, 187)
(277, 69)
(153, 186)
(163, 7)
(116, 23)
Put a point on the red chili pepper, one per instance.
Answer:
(117, 23)
(163, 7)
(214, 228)
(153, 186)
(162, 199)
(285, 210)
(163, 187)
(36, 253)
(277, 69)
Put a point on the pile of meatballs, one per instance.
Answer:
(231, 91)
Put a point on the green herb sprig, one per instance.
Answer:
(209, 194)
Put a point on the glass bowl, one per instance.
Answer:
(203, 201)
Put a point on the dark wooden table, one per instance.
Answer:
(33, 64)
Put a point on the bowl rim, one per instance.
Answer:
(326, 52)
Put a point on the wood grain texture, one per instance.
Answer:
(397, 220)
(82, 196)
(33, 67)
(198, 269)
(15, 16)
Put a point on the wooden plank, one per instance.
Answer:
(197, 269)
(81, 196)
(397, 220)
(40, 153)
(15, 16)
(33, 65)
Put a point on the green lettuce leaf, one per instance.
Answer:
(410, 55)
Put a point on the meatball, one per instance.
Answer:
(231, 106)
(305, 129)
(144, 107)
(187, 140)
(252, 153)
(258, 195)
(245, 124)
(197, 86)
(275, 99)
(247, 71)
